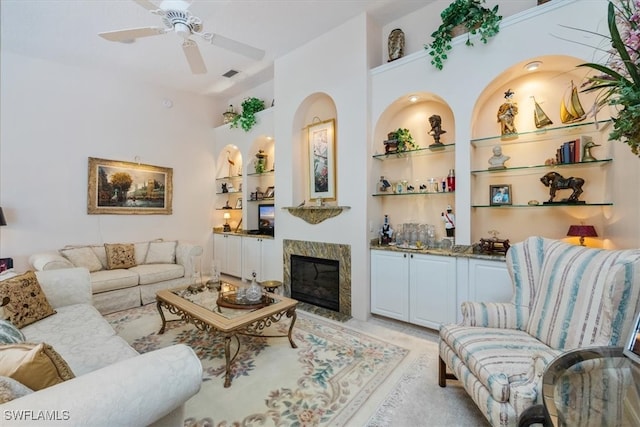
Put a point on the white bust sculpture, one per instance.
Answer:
(497, 160)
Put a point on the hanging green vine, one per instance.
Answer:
(247, 119)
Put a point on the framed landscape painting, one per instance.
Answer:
(126, 188)
(322, 161)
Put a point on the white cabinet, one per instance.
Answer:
(227, 251)
(258, 254)
(414, 288)
(489, 281)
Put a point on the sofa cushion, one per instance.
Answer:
(496, 357)
(82, 337)
(24, 300)
(571, 309)
(101, 253)
(120, 255)
(153, 273)
(9, 334)
(161, 253)
(82, 257)
(37, 366)
(140, 250)
(11, 389)
(108, 280)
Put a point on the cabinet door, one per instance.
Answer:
(389, 284)
(271, 268)
(220, 251)
(251, 258)
(489, 281)
(432, 290)
(234, 255)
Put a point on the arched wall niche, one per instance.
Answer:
(265, 143)
(549, 84)
(416, 169)
(314, 108)
(229, 162)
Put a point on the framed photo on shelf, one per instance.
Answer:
(500, 195)
(239, 203)
(322, 160)
(126, 188)
(270, 193)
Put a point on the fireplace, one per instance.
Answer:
(338, 255)
(316, 281)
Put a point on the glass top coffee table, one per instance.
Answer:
(226, 313)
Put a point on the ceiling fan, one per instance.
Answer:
(177, 18)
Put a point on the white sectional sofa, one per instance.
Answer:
(113, 384)
(126, 275)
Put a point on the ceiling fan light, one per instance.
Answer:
(182, 30)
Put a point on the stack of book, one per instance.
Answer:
(572, 151)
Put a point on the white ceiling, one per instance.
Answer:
(66, 31)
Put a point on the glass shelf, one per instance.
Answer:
(229, 177)
(231, 209)
(558, 165)
(266, 173)
(262, 200)
(415, 193)
(231, 192)
(415, 153)
(541, 205)
(541, 134)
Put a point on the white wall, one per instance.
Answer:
(54, 117)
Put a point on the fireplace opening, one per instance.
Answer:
(316, 281)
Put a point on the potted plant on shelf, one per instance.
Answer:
(247, 119)
(399, 140)
(470, 16)
(619, 82)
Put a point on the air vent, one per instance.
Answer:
(230, 73)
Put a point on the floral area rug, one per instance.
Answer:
(334, 371)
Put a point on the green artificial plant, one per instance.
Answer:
(471, 14)
(405, 139)
(618, 85)
(247, 119)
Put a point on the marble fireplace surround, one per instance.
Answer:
(332, 251)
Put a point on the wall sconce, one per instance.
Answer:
(226, 217)
(3, 221)
(582, 231)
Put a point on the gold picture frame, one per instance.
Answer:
(322, 160)
(126, 188)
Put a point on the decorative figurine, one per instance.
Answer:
(540, 118)
(261, 161)
(396, 44)
(507, 113)
(224, 187)
(494, 245)
(383, 185)
(449, 222)
(436, 130)
(229, 115)
(586, 151)
(386, 232)
(497, 160)
(555, 182)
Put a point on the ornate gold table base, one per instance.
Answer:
(249, 324)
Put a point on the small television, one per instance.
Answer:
(632, 347)
(266, 218)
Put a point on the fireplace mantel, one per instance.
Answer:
(316, 214)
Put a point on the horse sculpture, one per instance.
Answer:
(555, 181)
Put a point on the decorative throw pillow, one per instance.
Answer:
(120, 255)
(25, 301)
(9, 334)
(36, 366)
(161, 253)
(11, 389)
(82, 257)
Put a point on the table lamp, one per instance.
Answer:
(582, 231)
(226, 217)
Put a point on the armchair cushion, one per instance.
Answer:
(37, 366)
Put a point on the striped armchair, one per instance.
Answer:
(564, 297)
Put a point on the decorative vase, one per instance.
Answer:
(254, 291)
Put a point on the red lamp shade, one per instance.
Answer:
(582, 231)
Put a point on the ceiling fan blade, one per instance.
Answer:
(147, 4)
(237, 47)
(191, 51)
(133, 33)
